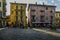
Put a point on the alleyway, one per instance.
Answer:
(25, 34)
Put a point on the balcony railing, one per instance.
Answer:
(42, 20)
(33, 20)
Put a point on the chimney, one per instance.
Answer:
(43, 3)
(15, 1)
(36, 3)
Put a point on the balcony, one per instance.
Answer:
(32, 13)
(4, 8)
(42, 20)
(33, 20)
(42, 13)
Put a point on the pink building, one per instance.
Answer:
(40, 15)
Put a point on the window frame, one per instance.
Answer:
(46, 7)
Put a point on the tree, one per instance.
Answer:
(57, 22)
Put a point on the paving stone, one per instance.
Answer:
(25, 34)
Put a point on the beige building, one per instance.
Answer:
(57, 18)
(3, 13)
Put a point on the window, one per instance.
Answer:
(12, 12)
(41, 18)
(0, 4)
(51, 11)
(33, 18)
(0, 14)
(16, 10)
(59, 14)
(12, 6)
(33, 10)
(55, 15)
(46, 8)
(16, 7)
(21, 7)
(42, 11)
(46, 18)
(51, 19)
(0, 22)
(21, 12)
(4, 14)
(16, 18)
(33, 24)
(21, 18)
(4, 22)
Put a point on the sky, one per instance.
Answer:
(48, 2)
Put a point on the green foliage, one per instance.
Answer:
(57, 20)
(54, 27)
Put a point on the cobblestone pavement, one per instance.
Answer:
(25, 34)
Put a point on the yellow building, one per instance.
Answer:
(57, 17)
(18, 14)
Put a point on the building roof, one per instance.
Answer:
(41, 5)
(57, 11)
(18, 3)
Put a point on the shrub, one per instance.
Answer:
(54, 27)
